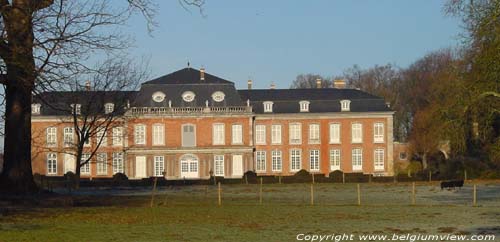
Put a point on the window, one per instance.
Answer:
(276, 160)
(314, 134)
(268, 107)
(314, 160)
(188, 96)
(335, 133)
(109, 108)
(51, 164)
(378, 133)
(218, 134)
(86, 142)
(295, 159)
(158, 97)
(140, 134)
(159, 165)
(219, 165)
(260, 134)
(357, 133)
(276, 134)
(118, 163)
(117, 136)
(334, 159)
(188, 135)
(76, 109)
(379, 159)
(218, 96)
(357, 159)
(102, 164)
(345, 105)
(260, 161)
(295, 133)
(51, 136)
(158, 134)
(68, 135)
(85, 168)
(102, 138)
(304, 106)
(403, 155)
(35, 108)
(237, 134)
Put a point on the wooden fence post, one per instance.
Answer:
(465, 175)
(220, 199)
(260, 192)
(343, 177)
(246, 179)
(413, 192)
(474, 196)
(369, 178)
(312, 174)
(153, 193)
(312, 194)
(279, 179)
(359, 195)
(430, 176)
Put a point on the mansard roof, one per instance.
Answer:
(188, 75)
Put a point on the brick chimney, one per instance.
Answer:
(273, 86)
(87, 85)
(318, 83)
(339, 83)
(202, 74)
(249, 82)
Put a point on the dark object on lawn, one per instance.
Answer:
(452, 184)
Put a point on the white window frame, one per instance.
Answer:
(260, 134)
(357, 159)
(102, 163)
(76, 108)
(117, 139)
(304, 106)
(276, 132)
(314, 133)
(118, 164)
(158, 134)
(356, 133)
(109, 108)
(345, 105)
(268, 106)
(219, 165)
(314, 160)
(52, 164)
(85, 169)
(379, 159)
(102, 137)
(182, 135)
(218, 134)
(35, 108)
(295, 159)
(68, 136)
(276, 161)
(335, 158)
(295, 133)
(159, 166)
(140, 134)
(378, 132)
(51, 136)
(335, 129)
(237, 134)
(260, 161)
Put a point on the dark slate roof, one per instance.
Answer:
(188, 76)
(321, 100)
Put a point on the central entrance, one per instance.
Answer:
(189, 166)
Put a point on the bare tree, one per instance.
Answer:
(309, 81)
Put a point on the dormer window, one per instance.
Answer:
(345, 105)
(188, 96)
(218, 96)
(304, 106)
(109, 108)
(268, 107)
(35, 108)
(76, 109)
(158, 97)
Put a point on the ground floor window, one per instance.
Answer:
(51, 164)
(85, 166)
(295, 159)
(357, 159)
(314, 160)
(189, 166)
(118, 163)
(102, 164)
(276, 160)
(219, 165)
(379, 159)
(335, 159)
(260, 160)
(159, 165)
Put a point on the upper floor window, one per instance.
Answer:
(304, 106)
(268, 107)
(378, 133)
(237, 134)
(76, 109)
(295, 133)
(345, 105)
(117, 136)
(35, 108)
(109, 108)
(335, 133)
(218, 134)
(158, 97)
(188, 135)
(276, 134)
(51, 136)
(188, 96)
(68, 136)
(260, 134)
(357, 133)
(102, 138)
(140, 134)
(314, 134)
(158, 134)
(218, 96)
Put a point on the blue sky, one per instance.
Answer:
(274, 41)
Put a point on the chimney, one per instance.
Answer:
(87, 85)
(202, 74)
(273, 86)
(318, 83)
(249, 82)
(339, 83)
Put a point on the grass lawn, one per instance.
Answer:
(191, 213)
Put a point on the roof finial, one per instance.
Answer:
(189, 65)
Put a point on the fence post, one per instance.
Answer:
(474, 196)
(465, 175)
(413, 192)
(359, 195)
(369, 178)
(260, 192)
(246, 179)
(430, 176)
(220, 200)
(312, 194)
(395, 178)
(153, 192)
(279, 179)
(343, 177)
(312, 174)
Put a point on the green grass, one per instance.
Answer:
(192, 214)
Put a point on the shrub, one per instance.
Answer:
(120, 179)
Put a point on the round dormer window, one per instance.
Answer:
(218, 96)
(188, 96)
(158, 97)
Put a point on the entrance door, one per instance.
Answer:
(237, 165)
(140, 166)
(189, 166)
(69, 163)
